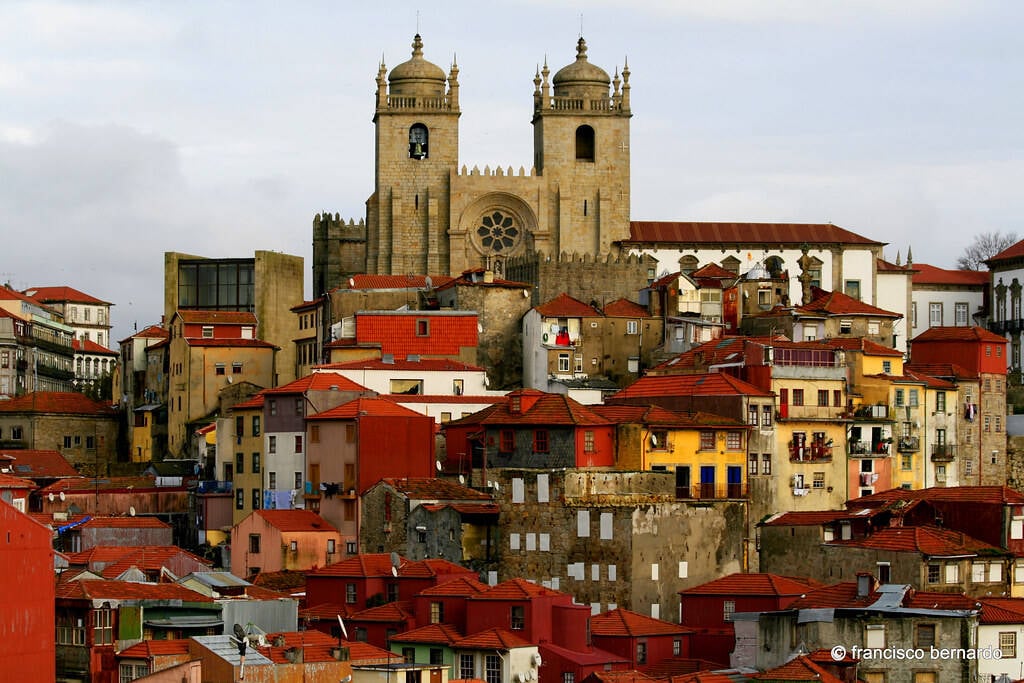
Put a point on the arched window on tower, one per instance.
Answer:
(584, 143)
(418, 139)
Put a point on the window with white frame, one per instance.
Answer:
(960, 314)
(935, 314)
(874, 635)
(632, 326)
(563, 362)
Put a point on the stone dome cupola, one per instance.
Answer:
(581, 78)
(417, 77)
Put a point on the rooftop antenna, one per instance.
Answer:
(417, 21)
(581, 24)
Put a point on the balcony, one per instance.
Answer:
(712, 491)
(908, 444)
(866, 449)
(814, 452)
(943, 452)
(821, 413)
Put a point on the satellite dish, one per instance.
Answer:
(344, 631)
(239, 631)
(654, 440)
(394, 571)
(429, 282)
(230, 379)
(62, 495)
(437, 464)
(462, 479)
(50, 496)
(351, 283)
(131, 511)
(496, 486)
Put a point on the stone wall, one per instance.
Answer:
(601, 278)
(339, 251)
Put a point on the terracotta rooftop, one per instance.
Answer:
(256, 402)
(125, 522)
(799, 669)
(389, 612)
(958, 334)
(706, 233)
(290, 521)
(932, 275)
(148, 649)
(623, 622)
(361, 407)
(844, 595)
(60, 294)
(564, 306)
(150, 558)
(89, 346)
(1012, 252)
(59, 402)
(713, 271)
(517, 589)
(431, 364)
(753, 584)
(1001, 611)
(362, 565)
(435, 489)
(441, 634)
(199, 317)
(9, 481)
(81, 485)
(928, 540)
(537, 408)
(838, 303)
(862, 344)
(461, 586)
(999, 495)
(364, 653)
(232, 343)
(658, 416)
(318, 381)
(465, 508)
(285, 581)
(817, 517)
(36, 464)
(952, 370)
(705, 384)
(326, 611)
(491, 639)
(722, 350)
(624, 308)
(367, 281)
(151, 332)
(94, 589)
(317, 646)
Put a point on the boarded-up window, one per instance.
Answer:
(518, 490)
(606, 526)
(542, 488)
(583, 523)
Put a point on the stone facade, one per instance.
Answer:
(614, 539)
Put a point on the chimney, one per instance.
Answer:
(340, 653)
(293, 655)
(279, 641)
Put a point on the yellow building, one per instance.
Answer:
(707, 453)
(242, 462)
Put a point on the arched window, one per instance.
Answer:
(418, 139)
(584, 143)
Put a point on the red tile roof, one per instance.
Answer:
(317, 646)
(754, 584)
(318, 381)
(364, 653)
(429, 568)
(623, 622)
(37, 464)
(958, 334)
(199, 317)
(491, 639)
(200, 342)
(656, 415)
(862, 344)
(704, 233)
(433, 364)
(953, 370)
(442, 634)
(999, 495)
(96, 589)
(128, 522)
(1001, 611)
(466, 508)
(388, 612)
(449, 333)
(713, 271)
(949, 601)
(816, 517)
(9, 481)
(79, 485)
(100, 554)
(928, 540)
(799, 669)
(326, 611)
(255, 402)
(624, 308)
(150, 559)
(434, 489)
(1011, 252)
(838, 303)
(89, 346)
(296, 521)
(148, 649)
(932, 275)
(844, 595)
(377, 407)
(8, 294)
(286, 581)
(517, 589)
(151, 332)
(60, 294)
(458, 587)
(706, 384)
(546, 409)
(364, 565)
(58, 402)
(564, 306)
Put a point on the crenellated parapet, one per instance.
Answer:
(587, 277)
(339, 249)
(332, 226)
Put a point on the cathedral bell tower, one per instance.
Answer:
(581, 148)
(417, 146)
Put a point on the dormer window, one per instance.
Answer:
(418, 139)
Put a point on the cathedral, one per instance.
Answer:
(429, 215)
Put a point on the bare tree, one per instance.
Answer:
(985, 246)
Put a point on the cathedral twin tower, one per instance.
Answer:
(428, 216)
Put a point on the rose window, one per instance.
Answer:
(498, 232)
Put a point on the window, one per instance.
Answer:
(419, 139)
(239, 427)
(766, 463)
(271, 444)
(129, 671)
(935, 315)
(952, 573)
(492, 669)
(632, 326)
(563, 362)
(734, 441)
(798, 397)
(728, 609)
(588, 441)
(641, 652)
(823, 398)
(752, 415)
(884, 572)
(436, 612)
(887, 367)
(873, 327)
(707, 441)
(298, 443)
(219, 368)
(845, 326)
(466, 668)
(766, 416)
(67, 442)
(540, 441)
(272, 405)
(361, 635)
(298, 480)
(517, 618)
(350, 593)
(314, 434)
(90, 442)
(16, 433)
(436, 655)
(852, 289)
(913, 314)
(568, 677)
(507, 441)
(913, 398)
(677, 647)
(255, 463)
(423, 327)
(236, 368)
(239, 463)
(208, 333)
(254, 543)
(819, 480)
(874, 635)
(256, 499)
(330, 546)
(940, 401)
(900, 398)
(255, 425)
(924, 635)
(933, 573)
(1008, 644)
(978, 572)
(961, 314)
(239, 499)
(752, 463)
(458, 387)
(585, 146)
(409, 655)
(102, 627)
(70, 630)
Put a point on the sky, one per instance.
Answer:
(128, 129)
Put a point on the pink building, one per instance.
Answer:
(272, 540)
